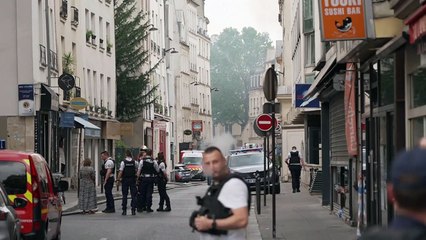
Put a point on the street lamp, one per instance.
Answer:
(153, 28)
(171, 50)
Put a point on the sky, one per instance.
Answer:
(262, 15)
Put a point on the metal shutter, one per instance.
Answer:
(338, 146)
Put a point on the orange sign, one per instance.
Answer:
(343, 19)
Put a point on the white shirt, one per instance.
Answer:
(234, 195)
(129, 160)
(110, 164)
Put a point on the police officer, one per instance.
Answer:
(140, 203)
(107, 173)
(295, 164)
(147, 174)
(127, 176)
(161, 183)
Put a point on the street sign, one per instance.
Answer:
(264, 122)
(270, 84)
(259, 132)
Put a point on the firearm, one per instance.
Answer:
(203, 211)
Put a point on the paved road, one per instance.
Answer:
(152, 226)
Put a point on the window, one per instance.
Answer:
(387, 79)
(310, 78)
(13, 176)
(418, 88)
(310, 49)
(308, 20)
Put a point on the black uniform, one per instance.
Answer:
(129, 182)
(149, 171)
(161, 183)
(295, 169)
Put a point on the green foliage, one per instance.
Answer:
(68, 63)
(134, 92)
(234, 58)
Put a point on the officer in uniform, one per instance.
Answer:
(107, 173)
(147, 173)
(140, 203)
(295, 164)
(127, 176)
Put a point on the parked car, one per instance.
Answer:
(193, 160)
(30, 185)
(249, 163)
(182, 173)
(10, 226)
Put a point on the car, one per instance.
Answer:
(193, 160)
(182, 173)
(10, 226)
(248, 163)
(29, 184)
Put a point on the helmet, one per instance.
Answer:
(143, 148)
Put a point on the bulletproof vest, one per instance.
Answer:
(148, 167)
(129, 170)
(213, 208)
(103, 169)
(294, 157)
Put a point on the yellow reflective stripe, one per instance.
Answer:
(44, 211)
(29, 181)
(29, 196)
(27, 161)
(12, 197)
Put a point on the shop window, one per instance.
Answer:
(387, 81)
(417, 129)
(418, 88)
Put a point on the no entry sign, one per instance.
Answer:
(264, 122)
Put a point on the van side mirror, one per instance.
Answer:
(62, 186)
(19, 203)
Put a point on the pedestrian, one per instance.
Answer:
(62, 156)
(147, 173)
(407, 192)
(295, 163)
(161, 184)
(127, 176)
(225, 206)
(140, 203)
(87, 190)
(107, 173)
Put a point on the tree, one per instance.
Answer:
(234, 57)
(134, 91)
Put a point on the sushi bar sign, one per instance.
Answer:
(343, 19)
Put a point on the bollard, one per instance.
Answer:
(258, 195)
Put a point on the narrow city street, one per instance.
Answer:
(156, 225)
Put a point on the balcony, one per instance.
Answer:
(53, 59)
(63, 12)
(74, 21)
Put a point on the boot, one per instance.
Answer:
(167, 209)
(149, 210)
(160, 209)
(133, 211)
(124, 213)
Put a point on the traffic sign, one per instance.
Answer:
(264, 122)
(270, 84)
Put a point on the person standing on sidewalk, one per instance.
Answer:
(107, 172)
(140, 200)
(295, 163)
(227, 201)
(161, 183)
(127, 176)
(87, 190)
(407, 192)
(147, 172)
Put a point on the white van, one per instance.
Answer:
(193, 160)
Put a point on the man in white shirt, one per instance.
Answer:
(233, 196)
(107, 172)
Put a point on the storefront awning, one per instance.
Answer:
(417, 23)
(91, 130)
(324, 71)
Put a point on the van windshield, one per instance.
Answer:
(13, 176)
(245, 160)
(192, 160)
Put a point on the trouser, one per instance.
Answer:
(295, 176)
(146, 187)
(126, 184)
(108, 194)
(163, 194)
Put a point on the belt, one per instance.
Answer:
(147, 175)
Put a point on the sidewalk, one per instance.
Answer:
(71, 197)
(300, 216)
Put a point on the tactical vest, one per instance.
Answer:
(213, 208)
(148, 167)
(294, 158)
(129, 170)
(103, 169)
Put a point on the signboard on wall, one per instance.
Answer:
(343, 19)
(26, 100)
(300, 101)
(350, 111)
(197, 126)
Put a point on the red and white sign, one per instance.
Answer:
(264, 122)
(350, 112)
